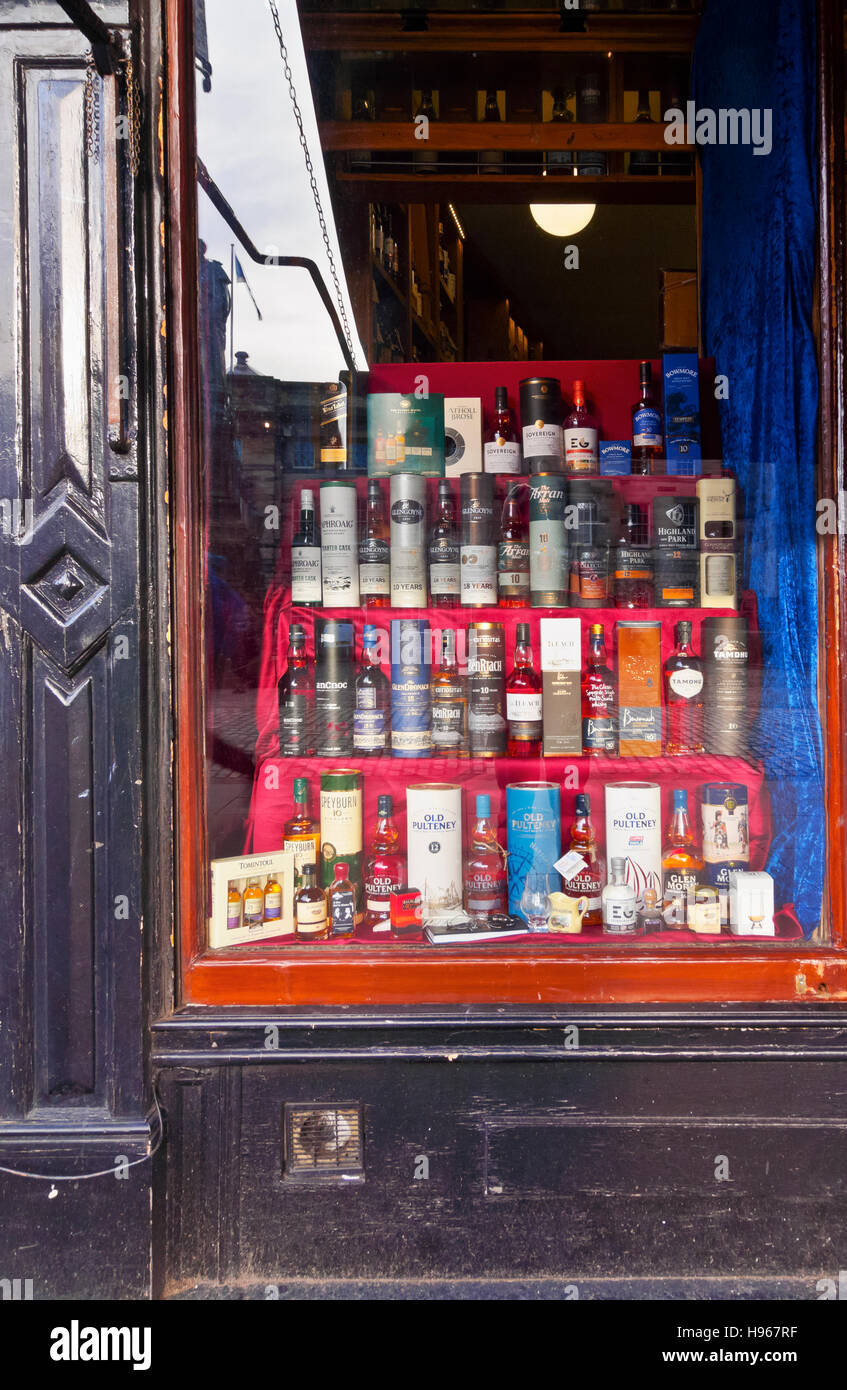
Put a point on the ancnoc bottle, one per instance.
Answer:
(334, 689)
(372, 712)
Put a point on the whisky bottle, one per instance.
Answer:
(374, 552)
(650, 918)
(587, 881)
(599, 698)
(646, 425)
(523, 701)
(233, 907)
(273, 899)
(449, 702)
(681, 864)
(683, 672)
(254, 904)
(618, 903)
(372, 712)
(590, 109)
(306, 590)
(444, 571)
(341, 903)
(384, 868)
(513, 552)
(485, 867)
(310, 918)
(633, 578)
(502, 452)
(301, 834)
(296, 699)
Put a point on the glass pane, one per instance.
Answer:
(496, 643)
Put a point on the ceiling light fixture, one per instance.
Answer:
(562, 219)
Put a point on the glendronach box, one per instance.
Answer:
(405, 434)
(462, 435)
(238, 922)
(561, 664)
(615, 457)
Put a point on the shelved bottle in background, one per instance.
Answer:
(374, 552)
(301, 834)
(644, 162)
(334, 689)
(523, 701)
(586, 880)
(619, 903)
(372, 710)
(559, 161)
(444, 566)
(310, 920)
(341, 903)
(449, 699)
(306, 591)
(485, 865)
(673, 98)
(599, 698)
(590, 110)
(633, 560)
(513, 551)
(478, 548)
(408, 540)
(580, 436)
(683, 672)
(385, 868)
(647, 436)
(296, 697)
(681, 863)
(502, 451)
(425, 158)
(490, 161)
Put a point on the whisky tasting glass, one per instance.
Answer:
(535, 900)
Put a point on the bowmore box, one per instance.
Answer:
(615, 458)
(680, 371)
(405, 434)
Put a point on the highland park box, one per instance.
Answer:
(561, 664)
(405, 435)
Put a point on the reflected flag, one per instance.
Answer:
(241, 279)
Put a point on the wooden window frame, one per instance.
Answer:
(311, 976)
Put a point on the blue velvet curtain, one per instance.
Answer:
(757, 287)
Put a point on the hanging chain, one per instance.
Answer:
(133, 113)
(312, 180)
(91, 107)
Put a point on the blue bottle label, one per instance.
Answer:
(647, 428)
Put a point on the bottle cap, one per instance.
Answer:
(309, 871)
(582, 805)
(301, 789)
(596, 629)
(384, 805)
(501, 397)
(645, 371)
(336, 634)
(680, 799)
(341, 871)
(618, 865)
(522, 634)
(649, 897)
(370, 635)
(683, 631)
(307, 500)
(483, 805)
(579, 391)
(374, 486)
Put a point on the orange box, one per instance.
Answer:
(639, 689)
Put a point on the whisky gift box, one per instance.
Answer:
(561, 664)
(405, 434)
(462, 435)
(751, 903)
(533, 835)
(639, 689)
(682, 413)
(237, 872)
(615, 458)
(677, 566)
(434, 845)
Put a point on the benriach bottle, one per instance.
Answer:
(449, 702)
